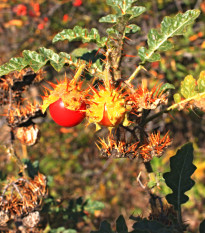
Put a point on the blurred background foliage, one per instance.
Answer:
(84, 188)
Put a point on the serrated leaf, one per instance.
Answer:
(55, 60)
(91, 206)
(188, 87)
(136, 11)
(178, 179)
(177, 98)
(202, 227)
(34, 60)
(68, 58)
(151, 226)
(201, 82)
(17, 63)
(105, 227)
(108, 19)
(121, 225)
(122, 8)
(165, 87)
(132, 28)
(170, 26)
(80, 34)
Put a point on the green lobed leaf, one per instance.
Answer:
(17, 63)
(170, 26)
(136, 11)
(132, 28)
(80, 34)
(201, 82)
(55, 60)
(91, 206)
(188, 87)
(165, 87)
(122, 8)
(177, 98)
(178, 179)
(108, 19)
(34, 60)
(121, 225)
(202, 227)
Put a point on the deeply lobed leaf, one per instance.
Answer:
(80, 34)
(170, 26)
(179, 177)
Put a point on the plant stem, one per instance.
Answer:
(137, 70)
(148, 167)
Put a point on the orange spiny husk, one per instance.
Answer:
(69, 91)
(107, 106)
(119, 149)
(142, 98)
(155, 146)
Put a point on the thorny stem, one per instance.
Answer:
(137, 70)
(153, 117)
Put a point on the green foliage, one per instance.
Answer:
(191, 89)
(170, 26)
(37, 60)
(121, 226)
(62, 230)
(32, 168)
(188, 87)
(17, 63)
(151, 226)
(80, 34)
(92, 206)
(178, 179)
(202, 227)
(122, 8)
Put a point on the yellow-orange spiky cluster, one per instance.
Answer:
(68, 90)
(155, 146)
(16, 115)
(22, 196)
(142, 98)
(118, 149)
(106, 103)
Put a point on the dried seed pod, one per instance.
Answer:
(27, 135)
(31, 220)
(4, 218)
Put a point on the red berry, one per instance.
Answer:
(64, 116)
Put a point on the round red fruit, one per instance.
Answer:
(64, 116)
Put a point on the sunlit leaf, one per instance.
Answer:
(34, 60)
(80, 34)
(132, 28)
(55, 60)
(170, 26)
(201, 82)
(188, 87)
(17, 63)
